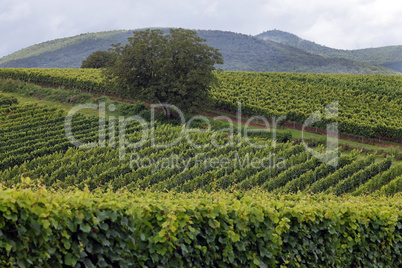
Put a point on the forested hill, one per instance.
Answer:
(240, 53)
(65, 52)
(389, 56)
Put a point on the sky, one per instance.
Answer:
(342, 24)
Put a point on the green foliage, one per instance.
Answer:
(314, 175)
(341, 174)
(176, 68)
(98, 59)
(4, 100)
(369, 106)
(128, 227)
(389, 56)
(380, 180)
(34, 143)
(392, 188)
(52, 94)
(65, 52)
(240, 52)
(103, 229)
(29, 131)
(88, 79)
(359, 178)
(132, 109)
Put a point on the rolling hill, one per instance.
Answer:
(240, 53)
(389, 56)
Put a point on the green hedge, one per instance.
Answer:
(42, 228)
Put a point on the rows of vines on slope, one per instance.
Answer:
(181, 167)
(365, 107)
(100, 167)
(369, 106)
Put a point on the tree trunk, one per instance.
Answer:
(166, 110)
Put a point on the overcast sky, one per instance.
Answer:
(346, 24)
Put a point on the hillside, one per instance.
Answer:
(389, 56)
(365, 102)
(82, 190)
(35, 145)
(64, 52)
(240, 53)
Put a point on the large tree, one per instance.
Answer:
(175, 68)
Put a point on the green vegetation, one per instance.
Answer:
(98, 59)
(5, 100)
(240, 53)
(64, 52)
(391, 188)
(369, 106)
(195, 196)
(104, 229)
(65, 99)
(88, 79)
(45, 93)
(175, 69)
(389, 56)
(382, 180)
(34, 144)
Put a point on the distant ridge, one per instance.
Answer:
(269, 51)
(388, 56)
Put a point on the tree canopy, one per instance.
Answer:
(98, 59)
(176, 68)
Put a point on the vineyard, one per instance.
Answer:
(369, 106)
(135, 196)
(34, 144)
(143, 229)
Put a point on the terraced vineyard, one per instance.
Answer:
(34, 144)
